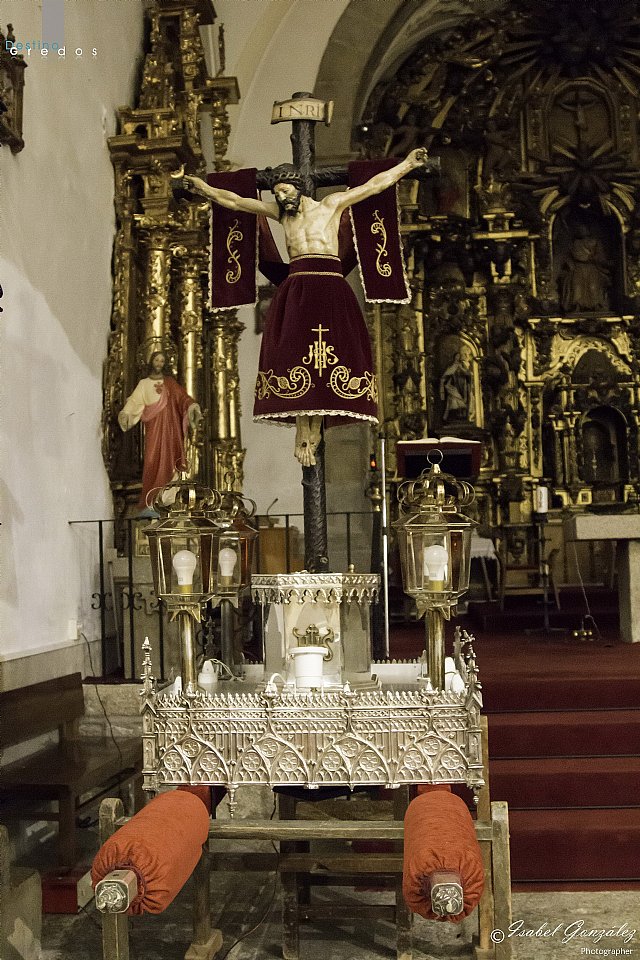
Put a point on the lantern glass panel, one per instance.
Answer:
(436, 561)
(206, 559)
(460, 554)
(229, 563)
(185, 575)
(247, 542)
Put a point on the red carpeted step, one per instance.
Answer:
(564, 734)
(502, 693)
(570, 782)
(574, 845)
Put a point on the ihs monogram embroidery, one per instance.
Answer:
(298, 381)
(321, 354)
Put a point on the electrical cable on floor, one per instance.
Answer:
(588, 616)
(265, 915)
(271, 898)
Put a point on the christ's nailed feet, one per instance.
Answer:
(308, 435)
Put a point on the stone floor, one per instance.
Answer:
(247, 905)
(244, 902)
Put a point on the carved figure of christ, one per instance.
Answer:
(311, 229)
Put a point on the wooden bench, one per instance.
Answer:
(73, 772)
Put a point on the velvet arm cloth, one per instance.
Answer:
(233, 244)
(161, 844)
(376, 231)
(439, 834)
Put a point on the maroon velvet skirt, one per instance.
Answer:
(316, 355)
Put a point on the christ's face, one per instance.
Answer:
(288, 199)
(158, 362)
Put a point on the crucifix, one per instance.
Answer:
(316, 358)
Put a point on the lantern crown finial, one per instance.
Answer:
(182, 497)
(232, 506)
(435, 491)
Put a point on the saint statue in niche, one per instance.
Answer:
(167, 411)
(457, 388)
(598, 453)
(585, 277)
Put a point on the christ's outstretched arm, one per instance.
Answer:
(226, 198)
(381, 181)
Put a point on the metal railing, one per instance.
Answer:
(120, 592)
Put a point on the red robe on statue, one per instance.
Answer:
(165, 426)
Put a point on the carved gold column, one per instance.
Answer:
(156, 309)
(190, 304)
(160, 247)
(189, 298)
(115, 385)
(222, 92)
(397, 340)
(227, 452)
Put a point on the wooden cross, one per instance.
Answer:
(304, 111)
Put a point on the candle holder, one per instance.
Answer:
(181, 546)
(201, 550)
(435, 551)
(233, 546)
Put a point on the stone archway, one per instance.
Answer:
(369, 42)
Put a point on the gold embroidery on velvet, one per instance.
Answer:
(295, 385)
(350, 388)
(234, 274)
(321, 353)
(314, 256)
(315, 273)
(385, 269)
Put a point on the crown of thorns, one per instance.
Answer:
(283, 173)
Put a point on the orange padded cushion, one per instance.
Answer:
(439, 834)
(433, 788)
(162, 844)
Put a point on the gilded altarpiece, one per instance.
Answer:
(524, 255)
(160, 255)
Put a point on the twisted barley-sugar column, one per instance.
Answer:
(225, 398)
(190, 307)
(156, 312)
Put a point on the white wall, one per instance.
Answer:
(56, 205)
(57, 228)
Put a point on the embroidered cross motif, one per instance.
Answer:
(321, 354)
